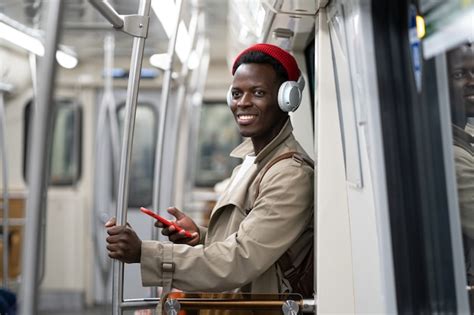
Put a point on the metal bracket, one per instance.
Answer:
(172, 307)
(135, 25)
(290, 307)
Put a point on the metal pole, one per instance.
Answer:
(181, 99)
(306, 305)
(5, 204)
(165, 94)
(109, 102)
(38, 165)
(107, 135)
(129, 124)
(108, 12)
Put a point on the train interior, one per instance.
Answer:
(387, 114)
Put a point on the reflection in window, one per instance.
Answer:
(460, 63)
(65, 162)
(218, 136)
(143, 154)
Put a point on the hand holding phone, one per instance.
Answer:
(165, 222)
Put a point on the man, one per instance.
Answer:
(461, 90)
(258, 218)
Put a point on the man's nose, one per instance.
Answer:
(470, 78)
(245, 100)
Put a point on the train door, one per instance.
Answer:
(424, 78)
(354, 259)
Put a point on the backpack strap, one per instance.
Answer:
(298, 274)
(167, 274)
(291, 154)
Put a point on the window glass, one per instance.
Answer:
(65, 162)
(218, 136)
(65, 154)
(460, 70)
(143, 154)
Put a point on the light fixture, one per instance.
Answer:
(183, 43)
(66, 60)
(193, 60)
(160, 61)
(420, 26)
(167, 13)
(23, 37)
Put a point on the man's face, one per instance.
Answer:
(254, 103)
(461, 81)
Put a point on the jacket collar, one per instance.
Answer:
(463, 139)
(246, 147)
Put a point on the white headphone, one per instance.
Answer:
(289, 95)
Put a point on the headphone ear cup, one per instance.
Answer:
(289, 96)
(229, 96)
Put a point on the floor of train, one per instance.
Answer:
(95, 310)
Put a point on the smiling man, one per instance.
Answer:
(262, 224)
(461, 83)
(461, 91)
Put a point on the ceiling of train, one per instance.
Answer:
(84, 28)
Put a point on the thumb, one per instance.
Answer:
(176, 213)
(111, 222)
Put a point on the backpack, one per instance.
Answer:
(296, 264)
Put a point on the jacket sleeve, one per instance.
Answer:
(465, 185)
(279, 216)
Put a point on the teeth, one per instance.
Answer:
(246, 117)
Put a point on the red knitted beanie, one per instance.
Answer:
(282, 56)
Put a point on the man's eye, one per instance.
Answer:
(235, 94)
(259, 93)
(459, 74)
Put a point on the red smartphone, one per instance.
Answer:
(164, 221)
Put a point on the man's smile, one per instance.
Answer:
(245, 119)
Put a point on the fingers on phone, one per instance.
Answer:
(175, 212)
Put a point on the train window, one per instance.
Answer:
(65, 162)
(460, 75)
(218, 136)
(143, 153)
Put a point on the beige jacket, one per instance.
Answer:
(464, 162)
(239, 251)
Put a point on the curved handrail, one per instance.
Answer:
(108, 12)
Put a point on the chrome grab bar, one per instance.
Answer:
(306, 305)
(108, 12)
(137, 26)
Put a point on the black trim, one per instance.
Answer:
(416, 185)
(309, 58)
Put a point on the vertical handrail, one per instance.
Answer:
(38, 166)
(109, 100)
(182, 92)
(165, 93)
(166, 87)
(127, 142)
(107, 134)
(5, 203)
